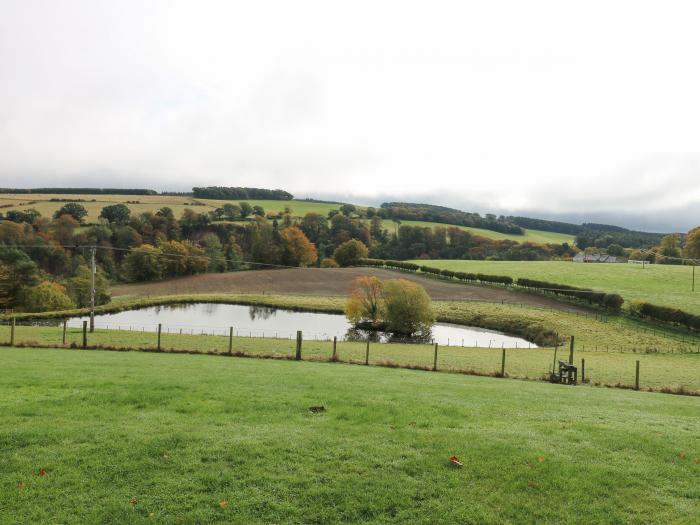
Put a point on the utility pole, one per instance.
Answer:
(693, 287)
(93, 270)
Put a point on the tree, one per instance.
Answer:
(27, 216)
(80, 285)
(366, 301)
(328, 263)
(75, 210)
(407, 308)
(259, 211)
(17, 271)
(692, 243)
(116, 213)
(347, 209)
(214, 252)
(246, 209)
(350, 252)
(296, 248)
(143, 264)
(669, 249)
(615, 249)
(44, 297)
(230, 211)
(315, 227)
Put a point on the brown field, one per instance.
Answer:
(326, 282)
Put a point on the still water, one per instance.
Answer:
(256, 321)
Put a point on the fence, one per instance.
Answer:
(667, 371)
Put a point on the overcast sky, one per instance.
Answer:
(585, 110)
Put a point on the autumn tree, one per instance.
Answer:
(692, 243)
(366, 301)
(44, 297)
(407, 308)
(296, 248)
(669, 248)
(350, 252)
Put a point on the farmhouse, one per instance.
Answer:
(594, 258)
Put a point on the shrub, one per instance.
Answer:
(407, 308)
(665, 314)
(328, 263)
(45, 296)
(611, 301)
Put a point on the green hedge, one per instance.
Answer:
(665, 314)
(612, 301)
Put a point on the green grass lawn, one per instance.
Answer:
(536, 236)
(657, 283)
(157, 438)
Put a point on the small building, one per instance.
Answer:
(582, 257)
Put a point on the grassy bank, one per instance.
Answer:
(657, 283)
(108, 437)
(663, 370)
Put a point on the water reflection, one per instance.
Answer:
(259, 321)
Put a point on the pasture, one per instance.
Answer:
(535, 236)
(662, 284)
(155, 438)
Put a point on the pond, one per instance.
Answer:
(257, 321)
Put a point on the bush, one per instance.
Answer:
(665, 314)
(611, 301)
(328, 263)
(371, 262)
(44, 297)
(407, 308)
(350, 252)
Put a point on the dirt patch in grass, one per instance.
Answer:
(327, 282)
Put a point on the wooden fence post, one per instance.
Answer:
(571, 351)
(297, 356)
(85, 324)
(583, 370)
(435, 358)
(335, 343)
(12, 332)
(636, 377)
(503, 362)
(230, 340)
(160, 327)
(367, 353)
(65, 322)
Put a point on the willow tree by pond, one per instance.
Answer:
(395, 305)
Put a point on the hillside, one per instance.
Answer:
(134, 437)
(657, 283)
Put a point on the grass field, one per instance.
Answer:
(536, 236)
(657, 283)
(106, 437)
(152, 203)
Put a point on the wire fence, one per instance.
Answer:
(659, 370)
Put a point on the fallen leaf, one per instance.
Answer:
(455, 461)
(42, 472)
(20, 485)
(540, 459)
(151, 514)
(165, 456)
(530, 483)
(696, 460)
(223, 504)
(134, 501)
(681, 455)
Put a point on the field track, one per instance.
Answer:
(326, 282)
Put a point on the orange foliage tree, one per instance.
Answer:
(297, 249)
(366, 301)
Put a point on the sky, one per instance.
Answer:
(588, 111)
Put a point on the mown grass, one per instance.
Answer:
(673, 371)
(656, 283)
(157, 438)
(536, 236)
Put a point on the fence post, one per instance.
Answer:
(85, 323)
(230, 340)
(571, 351)
(298, 352)
(435, 358)
(160, 327)
(583, 370)
(503, 362)
(636, 377)
(65, 322)
(12, 332)
(335, 343)
(367, 353)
